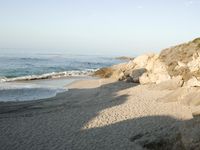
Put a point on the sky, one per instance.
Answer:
(120, 27)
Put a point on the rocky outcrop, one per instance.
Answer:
(104, 72)
(182, 60)
(176, 69)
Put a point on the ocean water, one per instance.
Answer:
(21, 65)
(49, 72)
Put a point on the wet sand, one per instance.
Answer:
(92, 115)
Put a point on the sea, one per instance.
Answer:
(25, 77)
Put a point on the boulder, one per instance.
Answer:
(151, 77)
(104, 72)
(160, 77)
(171, 84)
(136, 73)
(145, 79)
(117, 75)
(141, 61)
(193, 82)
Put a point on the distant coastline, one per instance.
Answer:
(126, 58)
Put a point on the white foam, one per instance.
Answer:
(26, 92)
(33, 88)
(49, 75)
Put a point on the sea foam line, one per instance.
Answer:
(52, 75)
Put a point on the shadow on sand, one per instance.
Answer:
(57, 124)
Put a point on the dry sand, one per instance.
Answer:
(93, 115)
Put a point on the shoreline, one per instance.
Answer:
(36, 89)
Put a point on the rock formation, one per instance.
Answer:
(176, 69)
(178, 61)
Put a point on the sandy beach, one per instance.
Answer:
(94, 114)
(99, 75)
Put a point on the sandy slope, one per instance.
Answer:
(97, 114)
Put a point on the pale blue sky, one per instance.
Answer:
(97, 26)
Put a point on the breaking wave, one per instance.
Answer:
(52, 75)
